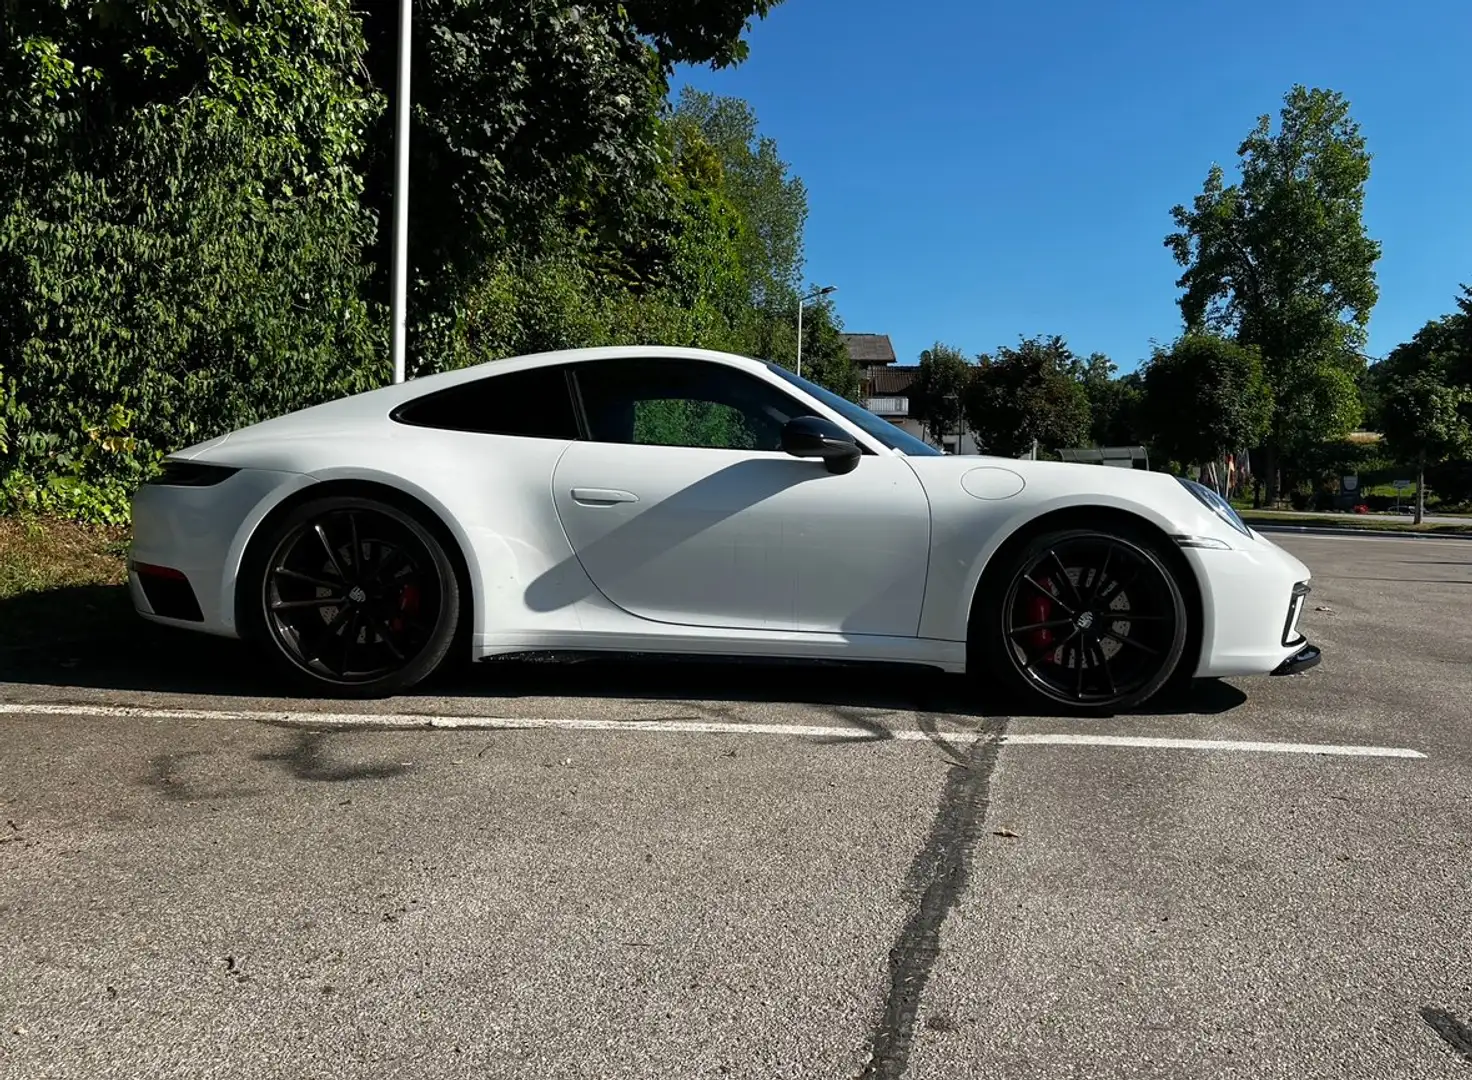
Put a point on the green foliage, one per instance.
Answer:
(1205, 397)
(1426, 423)
(1114, 410)
(180, 235)
(194, 200)
(1282, 261)
(939, 390)
(721, 133)
(1026, 393)
(526, 114)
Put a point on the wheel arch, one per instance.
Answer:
(1092, 516)
(423, 507)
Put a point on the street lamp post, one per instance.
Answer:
(824, 291)
(398, 296)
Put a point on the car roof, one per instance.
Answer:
(378, 403)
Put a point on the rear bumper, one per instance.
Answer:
(188, 543)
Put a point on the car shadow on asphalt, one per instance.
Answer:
(146, 658)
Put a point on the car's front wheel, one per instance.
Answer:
(1087, 620)
(352, 597)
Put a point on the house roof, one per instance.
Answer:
(869, 348)
(886, 381)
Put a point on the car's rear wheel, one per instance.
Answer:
(1089, 620)
(352, 596)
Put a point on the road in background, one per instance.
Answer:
(210, 896)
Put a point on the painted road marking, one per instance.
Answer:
(684, 727)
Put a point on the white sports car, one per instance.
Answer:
(679, 501)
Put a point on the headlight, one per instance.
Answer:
(1216, 504)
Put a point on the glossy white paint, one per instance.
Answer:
(583, 545)
(775, 542)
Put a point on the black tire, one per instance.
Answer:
(350, 596)
(1086, 620)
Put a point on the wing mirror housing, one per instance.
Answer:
(814, 437)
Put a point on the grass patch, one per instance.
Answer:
(1357, 522)
(61, 582)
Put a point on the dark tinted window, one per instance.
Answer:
(534, 403)
(682, 403)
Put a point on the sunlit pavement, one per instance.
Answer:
(688, 870)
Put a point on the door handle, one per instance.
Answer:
(602, 496)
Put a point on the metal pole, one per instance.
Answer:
(401, 195)
(799, 336)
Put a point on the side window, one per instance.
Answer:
(534, 403)
(696, 403)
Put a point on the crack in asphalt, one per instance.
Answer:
(1453, 1032)
(938, 876)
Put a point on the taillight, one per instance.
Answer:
(192, 474)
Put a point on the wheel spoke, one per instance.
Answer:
(350, 641)
(357, 552)
(1078, 597)
(1108, 670)
(392, 556)
(307, 579)
(382, 631)
(1032, 655)
(1050, 595)
(315, 602)
(1078, 654)
(331, 555)
(1125, 639)
(1113, 617)
(1100, 576)
(1051, 624)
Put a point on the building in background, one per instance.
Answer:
(885, 388)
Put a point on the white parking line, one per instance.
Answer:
(682, 727)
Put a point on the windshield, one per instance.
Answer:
(891, 436)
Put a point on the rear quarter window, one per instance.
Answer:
(534, 404)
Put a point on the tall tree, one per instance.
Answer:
(524, 112)
(1027, 393)
(1281, 260)
(939, 391)
(1427, 422)
(1205, 397)
(772, 203)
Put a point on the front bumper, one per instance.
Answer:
(1301, 661)
(1253, 598)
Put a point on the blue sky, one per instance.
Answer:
(980, 170)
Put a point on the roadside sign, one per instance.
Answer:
(1400, 485)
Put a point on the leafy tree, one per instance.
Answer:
(1026, 393)
(938, 394)
(1282, 262)
(181, 239)
(524, 113)
(1427, 422)
(1114, 408)
(1205, 397)
(1442, 348)
(772, 203)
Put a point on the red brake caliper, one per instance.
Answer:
(408, 605)
(1040, 609)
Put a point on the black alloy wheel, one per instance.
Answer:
(1092, 621)
(355, 597)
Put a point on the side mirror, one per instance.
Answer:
(814, 437)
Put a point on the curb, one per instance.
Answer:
(1352, 530)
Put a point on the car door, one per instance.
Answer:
(682, 508)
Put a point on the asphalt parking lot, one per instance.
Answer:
(694, 871)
